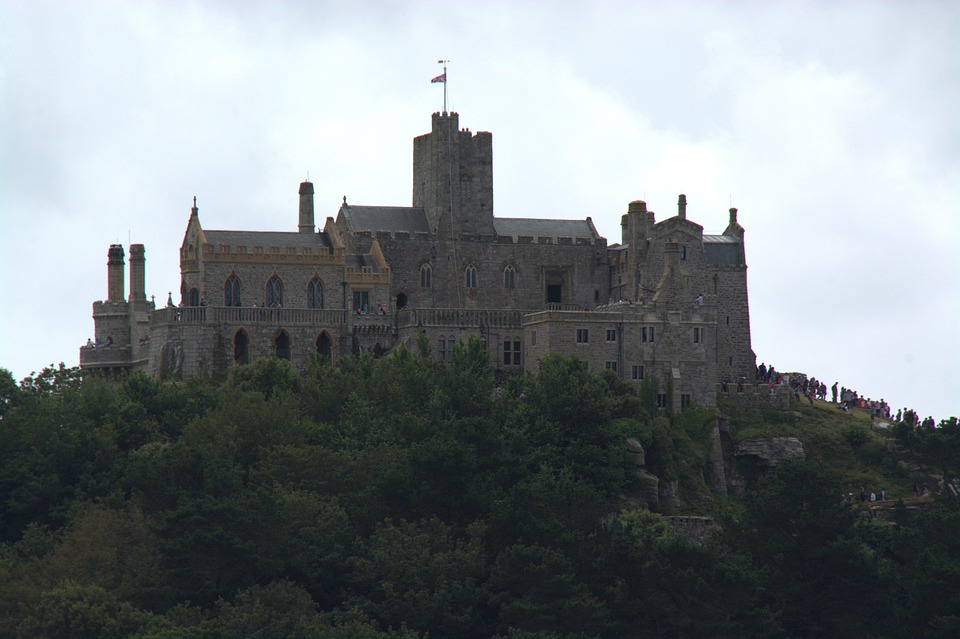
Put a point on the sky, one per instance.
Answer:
(831, 125)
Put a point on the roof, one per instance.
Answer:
(722, 250)
(406, 219)
(266, 238)
(532, 227)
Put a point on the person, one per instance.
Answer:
(834, 390)
(89, 343)
(873, 496)
(883, 494)
(699, 299)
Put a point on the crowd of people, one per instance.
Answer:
(845, 398)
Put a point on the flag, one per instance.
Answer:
(440, 78)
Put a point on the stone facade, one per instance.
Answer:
(667, 303)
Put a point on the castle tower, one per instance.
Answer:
(453, 178)
(633, 232)
(306, 208)
(137, 273)
(115, 273)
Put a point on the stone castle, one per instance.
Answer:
(668, 302)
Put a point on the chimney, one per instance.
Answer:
(682, 207)
(733, 217)
(306, 208)
(137, 271)
(115, 273)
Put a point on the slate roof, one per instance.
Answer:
(266, 238)
(386, 218)
(722, 250)
(532, 227)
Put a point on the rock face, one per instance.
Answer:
(635, 449)
(770, 451)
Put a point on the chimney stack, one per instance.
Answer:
(306, 208)
(115, 273)
(137, 273)
(682, 206)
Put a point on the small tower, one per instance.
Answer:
(306, 208)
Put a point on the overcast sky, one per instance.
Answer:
(831, 125)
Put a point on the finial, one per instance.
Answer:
(194, 201)
(344, 200)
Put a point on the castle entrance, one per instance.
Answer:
(323, 345)
(241, 348)
(282, 345)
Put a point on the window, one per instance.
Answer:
(231, 291)
(684, 400)
(683, 252)
(470, 276)
(610, 366)
(509, 277)
(315, 293)
(442, 349)
(611, 335)
(646, 334)
(661, 400)
(274, 297)
(361, 301)
(511, 352)
(583, 336)
(533, 338)
(636, 372)
(697, 335)
(426, 276)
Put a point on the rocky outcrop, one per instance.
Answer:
(770, 451)
(635, 450)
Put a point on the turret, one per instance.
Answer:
(306, 208)
(115, 273)
(137, 273)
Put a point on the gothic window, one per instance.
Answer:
(697, 335)
(315, 293)
(324, 345)
(509, 277)
(274, 293)
(684, 400)
(231, 291)
(426, 276)
(193, 297)
(470, 276)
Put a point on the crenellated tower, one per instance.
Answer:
(453, 178)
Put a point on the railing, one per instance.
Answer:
(105, 355)
(252, 315)
(476, 318)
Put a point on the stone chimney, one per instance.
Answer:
(733, 216)
(682, 206)
(115, 273)
(306, 208)
(137, 273)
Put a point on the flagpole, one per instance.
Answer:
(444, 63)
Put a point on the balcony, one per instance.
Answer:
(171, 316)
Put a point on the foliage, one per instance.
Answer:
(403, 497)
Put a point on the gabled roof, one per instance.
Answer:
(405, 219)
(266, 238)
(532, 227)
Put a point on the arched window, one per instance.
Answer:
(231, 291)
(274, 296)
(315, 293)
(509, 277)
(193, 297)
(470, 276)
(426, 275)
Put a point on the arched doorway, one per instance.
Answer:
(323, 345)
(241, 347)
(401, 300)
(281, 345)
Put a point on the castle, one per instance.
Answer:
(668, 301)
